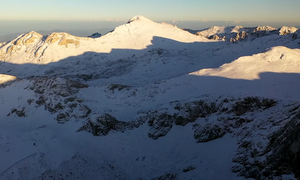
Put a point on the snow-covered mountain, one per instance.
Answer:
(151, 101)
(238, 33)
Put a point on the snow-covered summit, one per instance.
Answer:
(284, 30)
(139, 18)
(263, 28)
(236, 33)
(139, 34)
(219, 30)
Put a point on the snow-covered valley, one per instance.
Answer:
(151, 101)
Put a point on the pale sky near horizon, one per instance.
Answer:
(83, 17)
(158, 10)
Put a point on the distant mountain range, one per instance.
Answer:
(81, 33)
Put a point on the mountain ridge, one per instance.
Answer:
(150, 101)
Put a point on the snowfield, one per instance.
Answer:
(151, 101)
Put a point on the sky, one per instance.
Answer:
(215, 10)
(46, 15)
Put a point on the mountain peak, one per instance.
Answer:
(138, 18)
(284, 30)
(27, 38)
(264, 28)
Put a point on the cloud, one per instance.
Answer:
(110, 20)
(237, 22)
(202, 20)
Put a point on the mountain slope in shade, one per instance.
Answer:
(150, 101)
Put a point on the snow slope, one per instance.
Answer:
(146, 101)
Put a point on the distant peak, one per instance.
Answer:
(264, 28)
(33, 33)
(138, 18)
(284, 30)
(95, 35)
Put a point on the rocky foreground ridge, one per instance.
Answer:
(267, 130)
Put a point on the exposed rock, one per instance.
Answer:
(235, 33)
(78, 84)
(284, 30)
(188, 112)
(231, 123)
(262, 156)
(62, 117)
(139, 18)
(285, 149)
(26, 39)
(261, 31)
(167, 176)
(190, 168)
(197, 109)
(239, 36)
(160, 125)
(208, 133)
(264, 29)
(239, 33)
(95, 35)
(180, 120)
(217, 37)
(251, 103)
(20, 113)
(105, 123)
(113, 87)
(54, 94)
(63, 39)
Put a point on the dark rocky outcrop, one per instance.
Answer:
(19, 113)
(208, 133)
(160, 125)
(280, 155)
(252, 103)
(167, 176)
(58, 96)
(95, 35)
(285, 149)
(106, 123)
(103, 125)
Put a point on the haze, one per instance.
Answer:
(84, 17)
